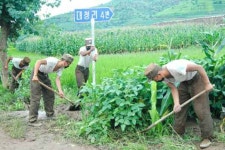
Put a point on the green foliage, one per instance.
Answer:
(15, 15)
(5, 98)
(114, 41)
(153, 112)
(119, 103)
(16, 101)
(191, 7)
(22, 93)
(169, 56)
(214, 65)
(143, 13)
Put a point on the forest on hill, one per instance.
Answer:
(143, 13)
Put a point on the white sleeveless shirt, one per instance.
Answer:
(85, 61)
(177, 69)
(16, 62)
(51, 63)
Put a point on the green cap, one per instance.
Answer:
(26, 61)
(68, 58)
(152, 70)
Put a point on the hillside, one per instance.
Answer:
(144, 12)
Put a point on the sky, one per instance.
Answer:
(70, 5)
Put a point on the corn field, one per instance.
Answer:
(119, 40)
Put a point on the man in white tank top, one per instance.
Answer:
(19, 65)
(40, 73)
(192, 79)
(87, 54)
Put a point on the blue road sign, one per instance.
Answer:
(99, 14)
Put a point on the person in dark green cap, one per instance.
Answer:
(40, 74)
(19, 64)
(191, 79)
(87, 54)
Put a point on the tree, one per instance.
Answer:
(14, 16)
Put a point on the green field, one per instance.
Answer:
(104, 69)
(108, 62)
(123, 101)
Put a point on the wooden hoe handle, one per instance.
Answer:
(49, 88)
(169, 114)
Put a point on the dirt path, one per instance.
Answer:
(191, 125)
(33, 141)
(47, 137)
(38, 138)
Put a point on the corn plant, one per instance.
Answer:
(116, 40)
(214, 65)
(153, 112)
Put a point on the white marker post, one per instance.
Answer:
(93, 43)
(101, 14)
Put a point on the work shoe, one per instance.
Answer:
(34, 124)
(205, 143)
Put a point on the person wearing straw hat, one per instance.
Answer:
(18, 66)
(87, 54)
(40, 74)
(191, 79)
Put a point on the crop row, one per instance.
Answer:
(135, 39)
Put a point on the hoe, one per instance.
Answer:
(166, 116)
(73, 105)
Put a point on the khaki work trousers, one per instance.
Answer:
(14, 83)
(37, 91)
(82, 75)
(188, 89)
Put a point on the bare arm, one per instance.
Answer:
(7, 62)
(175, 95)
(95, 57)
(202, 72)
(88, 52)
(58, 84)
(36, 67)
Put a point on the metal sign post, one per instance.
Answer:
(93, 42)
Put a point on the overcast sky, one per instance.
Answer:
(70, 5)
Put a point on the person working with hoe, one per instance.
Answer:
(88, 53)
(19, 65)
(192, 79)
(39, 77)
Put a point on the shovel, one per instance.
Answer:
(15, 78)
(73, 105)
(166, 116)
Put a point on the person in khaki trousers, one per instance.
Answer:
(40, 74)
(87, 54)
(19, 65)
(192, 79)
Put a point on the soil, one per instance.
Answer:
(45, 137)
